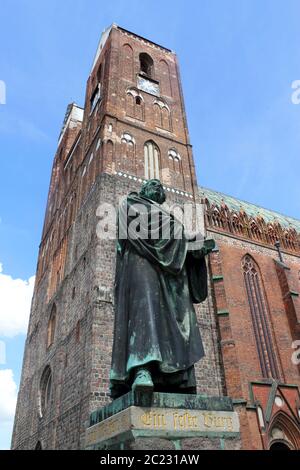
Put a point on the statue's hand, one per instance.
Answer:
(201, 248)
(209, 245)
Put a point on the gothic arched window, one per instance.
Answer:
(45, 390)
(51, 327)
(175, 167)
(127, 138)
(109, 152)
(151, 160)
(174, 155)
(135, 106)
(128, 62)
(162, 114)
(165, 78)
(165, 118)
(260, 316)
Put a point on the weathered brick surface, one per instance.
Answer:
(200, 443)
(81, 368)
(231, 444)
(144, 443)
(93, 165)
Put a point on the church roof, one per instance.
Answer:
(252, 210)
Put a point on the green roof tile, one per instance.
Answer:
(251, 210)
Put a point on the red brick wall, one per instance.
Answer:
(120, 66)
(238, 346)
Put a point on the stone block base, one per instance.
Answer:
(164, 421)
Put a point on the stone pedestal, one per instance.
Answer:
(164, 421)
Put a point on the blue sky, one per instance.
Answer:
(238, 60)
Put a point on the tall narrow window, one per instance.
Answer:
(130, 104)
(109, 153)
(45, 390)
(51, 327)
(165, 118)
(95, 97)
(127, 149)
(135, 106)
(165, 78)
(127, 62)
(151, 160)
(265, 342)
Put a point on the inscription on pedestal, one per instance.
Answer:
(108, 428)
(185, 420)
(164, 422)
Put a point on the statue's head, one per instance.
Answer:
(153, 189)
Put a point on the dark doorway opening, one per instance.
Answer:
(279, 446)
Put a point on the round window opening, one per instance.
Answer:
(278, 401)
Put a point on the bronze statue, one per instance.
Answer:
(156, 336)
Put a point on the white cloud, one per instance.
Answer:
(8, 395)
(8, 400)
(15, 301)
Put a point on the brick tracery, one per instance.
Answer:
(256, 228)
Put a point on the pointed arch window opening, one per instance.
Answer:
(45, 391)
(128, 151)
(259, 311)
(174, 155)
(162, 115)
(146, 65)
(38, 446)
(151, 160)
(284, 430)
(135, 105)
(51, 327)
(95, 97)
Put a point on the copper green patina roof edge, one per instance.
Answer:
(251, 209)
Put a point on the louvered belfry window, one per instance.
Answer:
(260, 315)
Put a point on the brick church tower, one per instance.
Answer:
(133, 127)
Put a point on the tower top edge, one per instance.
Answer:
(73, 112)
(106, 32)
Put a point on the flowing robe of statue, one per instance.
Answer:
(157, 281)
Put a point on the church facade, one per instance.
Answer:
(132, 128)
